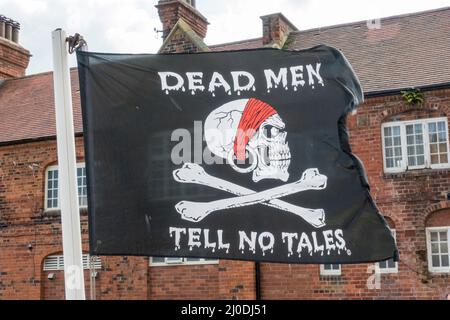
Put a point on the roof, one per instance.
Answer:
(27, 107)
(410, 50)
(238, 45)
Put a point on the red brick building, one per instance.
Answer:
(405, 148)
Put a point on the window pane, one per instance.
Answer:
(435, 261)
(396, 130)
(433, 137)
(157, 260)
(444, 247)
(391, 264)
(397, 141)
(432, 127)
(389, 152)
(388, 142)
(434, 159)
(419, 149)
(387, 131)
(193, 259)
(382, 264)
(418, 128)
(434, 236)
(55, 174)
(409, 129)
(442, 147)
(443, 236)
(419, 139)
(420, 160)
(389, 163)
(444, 259)
(434, 148)
(443, 158)
(434, 248)
(410, 139)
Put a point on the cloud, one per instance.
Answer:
(107, 25)
(128, 26)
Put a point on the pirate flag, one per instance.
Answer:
(233, 155)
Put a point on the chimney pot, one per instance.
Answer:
(14, 58)
(15, 32)
(8, 29)
(2, 26)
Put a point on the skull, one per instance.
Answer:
(272, 150)
(268, 148)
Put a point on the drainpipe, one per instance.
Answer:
(257, 281)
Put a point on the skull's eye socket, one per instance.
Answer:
(271, 132)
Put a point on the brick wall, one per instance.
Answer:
(13, 59)
(411, 201)
(23, 221)
(180, 43)
(407, 199)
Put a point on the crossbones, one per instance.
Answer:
(196, 211)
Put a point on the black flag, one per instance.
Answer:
(234, 155)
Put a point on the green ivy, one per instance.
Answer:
(413, 96)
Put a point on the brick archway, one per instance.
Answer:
(442, 207)
(431, 106)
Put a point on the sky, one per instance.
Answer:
(127, 26)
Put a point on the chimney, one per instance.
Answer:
(170, 11)
(276, 29)
(14, 58)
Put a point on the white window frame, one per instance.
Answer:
(431, 268)
(426, 144)
(55, 167)
(333, 272)
(181, 262)
(60, 262)
(388, 270)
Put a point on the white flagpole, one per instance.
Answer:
(68, 198)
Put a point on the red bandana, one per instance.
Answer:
(254, 114)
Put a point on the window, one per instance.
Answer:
(438, 244)
(52, 187)
(56, 262)
(330, 269)
(169, 261)
(388, 266)
(415, 144)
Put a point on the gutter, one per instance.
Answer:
(390, 92)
